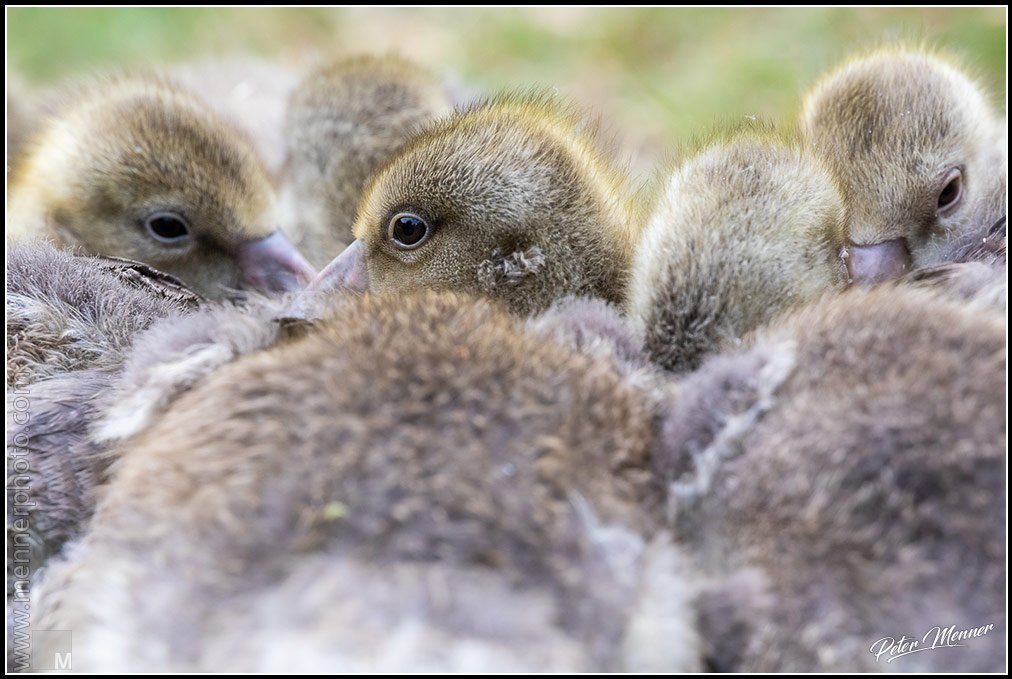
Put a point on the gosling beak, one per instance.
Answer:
(272, 264)
(347, 270)
(878, 262)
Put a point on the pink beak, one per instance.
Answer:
(347, 270)
(272, 264)
(878, 262)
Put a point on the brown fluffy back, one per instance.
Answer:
(427, 444)
(857, 495)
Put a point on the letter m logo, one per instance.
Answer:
(51, 650)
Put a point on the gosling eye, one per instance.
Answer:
(167, 227)
(408, 231)
(952, 192)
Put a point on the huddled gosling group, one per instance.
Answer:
(394, 382)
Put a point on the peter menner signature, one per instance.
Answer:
(936, 637)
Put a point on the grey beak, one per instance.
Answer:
(273, 264)
(347, 270)
(878, 262)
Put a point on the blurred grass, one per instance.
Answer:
(661, 75)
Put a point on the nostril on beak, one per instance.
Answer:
(878, 262)
(347, 270)
(272, 264)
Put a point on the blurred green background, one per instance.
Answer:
(657, 75)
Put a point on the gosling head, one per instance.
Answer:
(135, 167)
(911, 140)
(514, 199)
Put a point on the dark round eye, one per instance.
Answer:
(408, 231)
(167, 227)
(951, 192)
